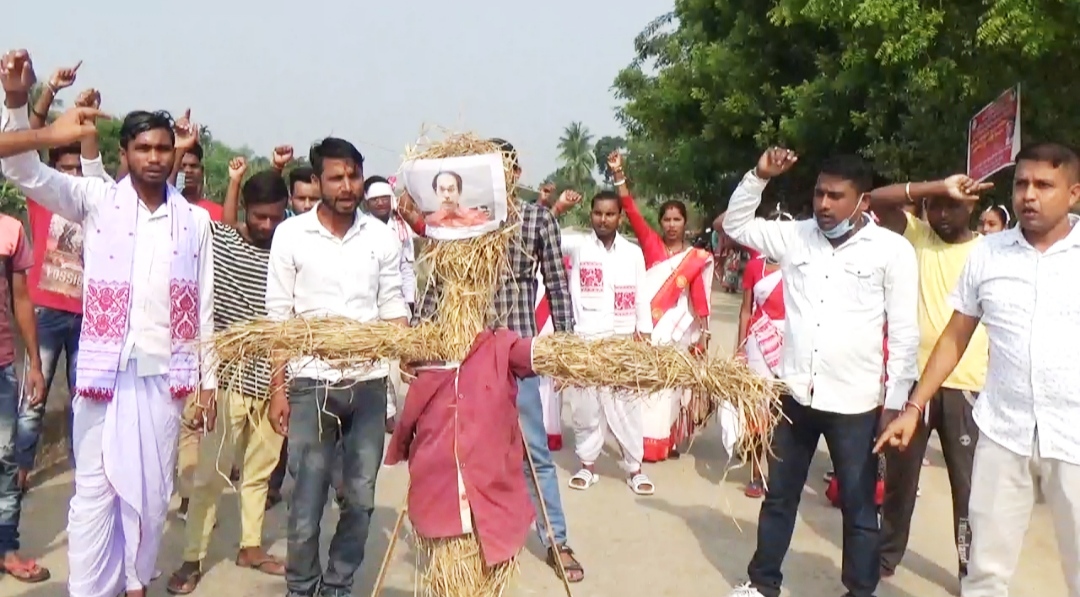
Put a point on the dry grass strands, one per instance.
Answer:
(467, 273)
(455, 568)
(644, 368)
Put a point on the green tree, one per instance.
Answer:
(714, 83)
(576, 154)
(604, 146)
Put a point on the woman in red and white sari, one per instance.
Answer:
(761, 336)
(678, 287)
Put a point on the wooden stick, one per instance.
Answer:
(543, 512)
(390, 548)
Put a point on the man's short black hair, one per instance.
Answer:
(264, 188)
(197, 151)
(141, 121)
(508, 151)
(457, 177)
(333, 148)
(302, 174)
(606, 196)
(851, 168)
(55, 153)
(1057, 155)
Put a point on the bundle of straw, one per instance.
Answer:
(465, 274)
(454, 567)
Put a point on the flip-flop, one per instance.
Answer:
(583, 480)
(30, 572)
(637, 482)
(183, 582)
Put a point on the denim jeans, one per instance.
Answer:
(321, 415)
(10, 494)
(850, 439)
(58, 332)
(531, 412)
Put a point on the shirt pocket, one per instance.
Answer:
(797, 274)
(862, 279)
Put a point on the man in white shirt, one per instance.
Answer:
(1022, 285)
(609, 274)
(148, 306)
(845, 278)
(332, 261)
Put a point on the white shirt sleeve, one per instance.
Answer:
(964, 298)
(281, 277)
(206, 302)
(95, 168)
(408, 271)
(71, 197)
(390, 300)
(644, 312)
(766, 236)
(901, 314)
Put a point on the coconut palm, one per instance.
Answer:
(576, 153)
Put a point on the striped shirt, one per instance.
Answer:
(240, 296)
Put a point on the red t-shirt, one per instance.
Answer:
(216, 211)
(56, 276)
(15, 257)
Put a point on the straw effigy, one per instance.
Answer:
(465, 275)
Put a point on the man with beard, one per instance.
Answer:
(334, 260)
(240, 270)
(942, 244)
(148, 301)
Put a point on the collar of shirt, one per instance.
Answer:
(1014, 236)
(313, 225)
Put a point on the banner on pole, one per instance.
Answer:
(994, 136)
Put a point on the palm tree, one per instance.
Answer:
(576, 153)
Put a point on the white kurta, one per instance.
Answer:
(605, 287)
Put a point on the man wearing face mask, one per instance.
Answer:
(845, 278)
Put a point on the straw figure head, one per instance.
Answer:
(465, 274)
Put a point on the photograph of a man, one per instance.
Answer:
(448, 186)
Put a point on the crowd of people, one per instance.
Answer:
(885, 316)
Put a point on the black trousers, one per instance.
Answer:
(851, 441)
(950, 414)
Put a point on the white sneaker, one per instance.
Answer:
(745, 590)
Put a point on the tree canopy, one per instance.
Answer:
(715, 82)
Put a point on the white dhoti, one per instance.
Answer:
(597, 409)
(552, 403)
(125, 454)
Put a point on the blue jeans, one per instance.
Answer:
(850, 439)
(10, 494)
(58, 332)
(352, 414)
(531, 412)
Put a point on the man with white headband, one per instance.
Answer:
(379, 202)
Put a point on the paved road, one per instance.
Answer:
(694, 537)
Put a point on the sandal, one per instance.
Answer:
(574, 572)
(583, 480)
(28, 571)
(184, 581)
(640, 484)
(265, 563)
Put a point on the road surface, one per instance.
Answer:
(694, 537)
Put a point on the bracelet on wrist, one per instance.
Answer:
(620, 182)
(918, 408)
(907, 193)
(39, 115)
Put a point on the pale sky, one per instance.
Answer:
(271, 72)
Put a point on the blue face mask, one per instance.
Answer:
(843, 228)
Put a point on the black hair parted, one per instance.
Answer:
(852, 168)
(1056, 154)
(606, 196)
(55, 153)
(333, 148)
(141, 121)
(302, 174)
(265, 187)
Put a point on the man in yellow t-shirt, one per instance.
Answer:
(942, 244)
